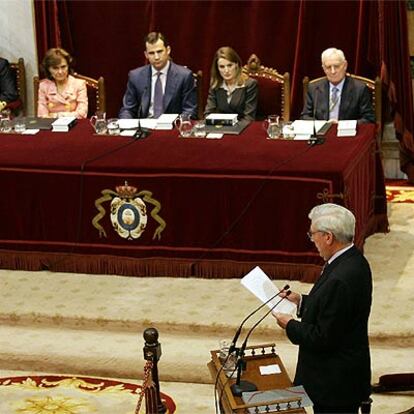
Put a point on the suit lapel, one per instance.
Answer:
(222, 100)
(171, 85)
(236, 98)
(58, 97)
(346, 97)
(323, 105)
(329, 268)
(146, 95)
(322, 278)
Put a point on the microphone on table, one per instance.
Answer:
(238, 332)
(317, 137)
(141, 133)
(241, 386)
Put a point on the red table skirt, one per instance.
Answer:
(227, 205)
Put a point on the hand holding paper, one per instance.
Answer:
(282, 319)
(263, 288)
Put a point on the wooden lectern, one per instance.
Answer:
(256, 356)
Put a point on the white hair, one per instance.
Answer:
(333, 52)
(335, 219)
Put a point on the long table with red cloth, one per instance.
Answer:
(228, 204)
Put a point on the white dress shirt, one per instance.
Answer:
(163, 77)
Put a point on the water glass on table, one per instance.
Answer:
(199, 129)
(272, 127)
(288, 130)
(5, 122)
(228, 361)
(19, 125)
(184, 124)
(113, 126)
(98, 121)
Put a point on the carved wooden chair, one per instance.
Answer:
(95, 89)
(19, 106)
(374, 87)
(274, 89)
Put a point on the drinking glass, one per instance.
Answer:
(113, 126)
(184, 125)
(228, 361)
(5, 122)
(19, 125)
(98, 121)
(199, 129)
(272, 127)
(288, 130)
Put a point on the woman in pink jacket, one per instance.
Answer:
(61, 94)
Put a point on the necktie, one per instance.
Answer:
(333, 104)
(334, 98)
(158, 97)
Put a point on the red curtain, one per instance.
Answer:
(52, 26)
(107, 39)
(395, 73)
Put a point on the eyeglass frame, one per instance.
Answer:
(311, 233)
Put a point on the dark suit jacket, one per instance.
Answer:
(334, 360)
(243, 101)
(179, 96)
(8, 92)
(355, 101)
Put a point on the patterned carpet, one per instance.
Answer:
(398, 194)
(91, 325)
(399, 191)
(70, 395)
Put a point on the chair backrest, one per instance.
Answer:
(374, 87)
(96, 93)
(274, 89)
(95, 89)
(198, 77)
(198, 82)
(19, 70)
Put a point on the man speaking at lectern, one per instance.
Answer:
(337, 97)
(159, 87)
(334, 358)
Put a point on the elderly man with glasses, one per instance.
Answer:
(334, 358)
(337, 96)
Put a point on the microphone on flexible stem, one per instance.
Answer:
(238, 332)
(141, 133)
(315, 139)
(232, 347)
(241, 386)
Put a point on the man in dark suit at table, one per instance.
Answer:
(338, 96)
(334, 358)
(8, 92)
(160, 86)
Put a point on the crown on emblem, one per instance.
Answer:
(126, 191)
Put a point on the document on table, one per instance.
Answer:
(263, 288)
(270, 369)
(212, 135)
(347, 128)
(304, 129)
(262, 397)
(149, 123)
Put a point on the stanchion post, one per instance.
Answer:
(152, 352)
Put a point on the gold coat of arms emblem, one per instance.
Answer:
(128, 212)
